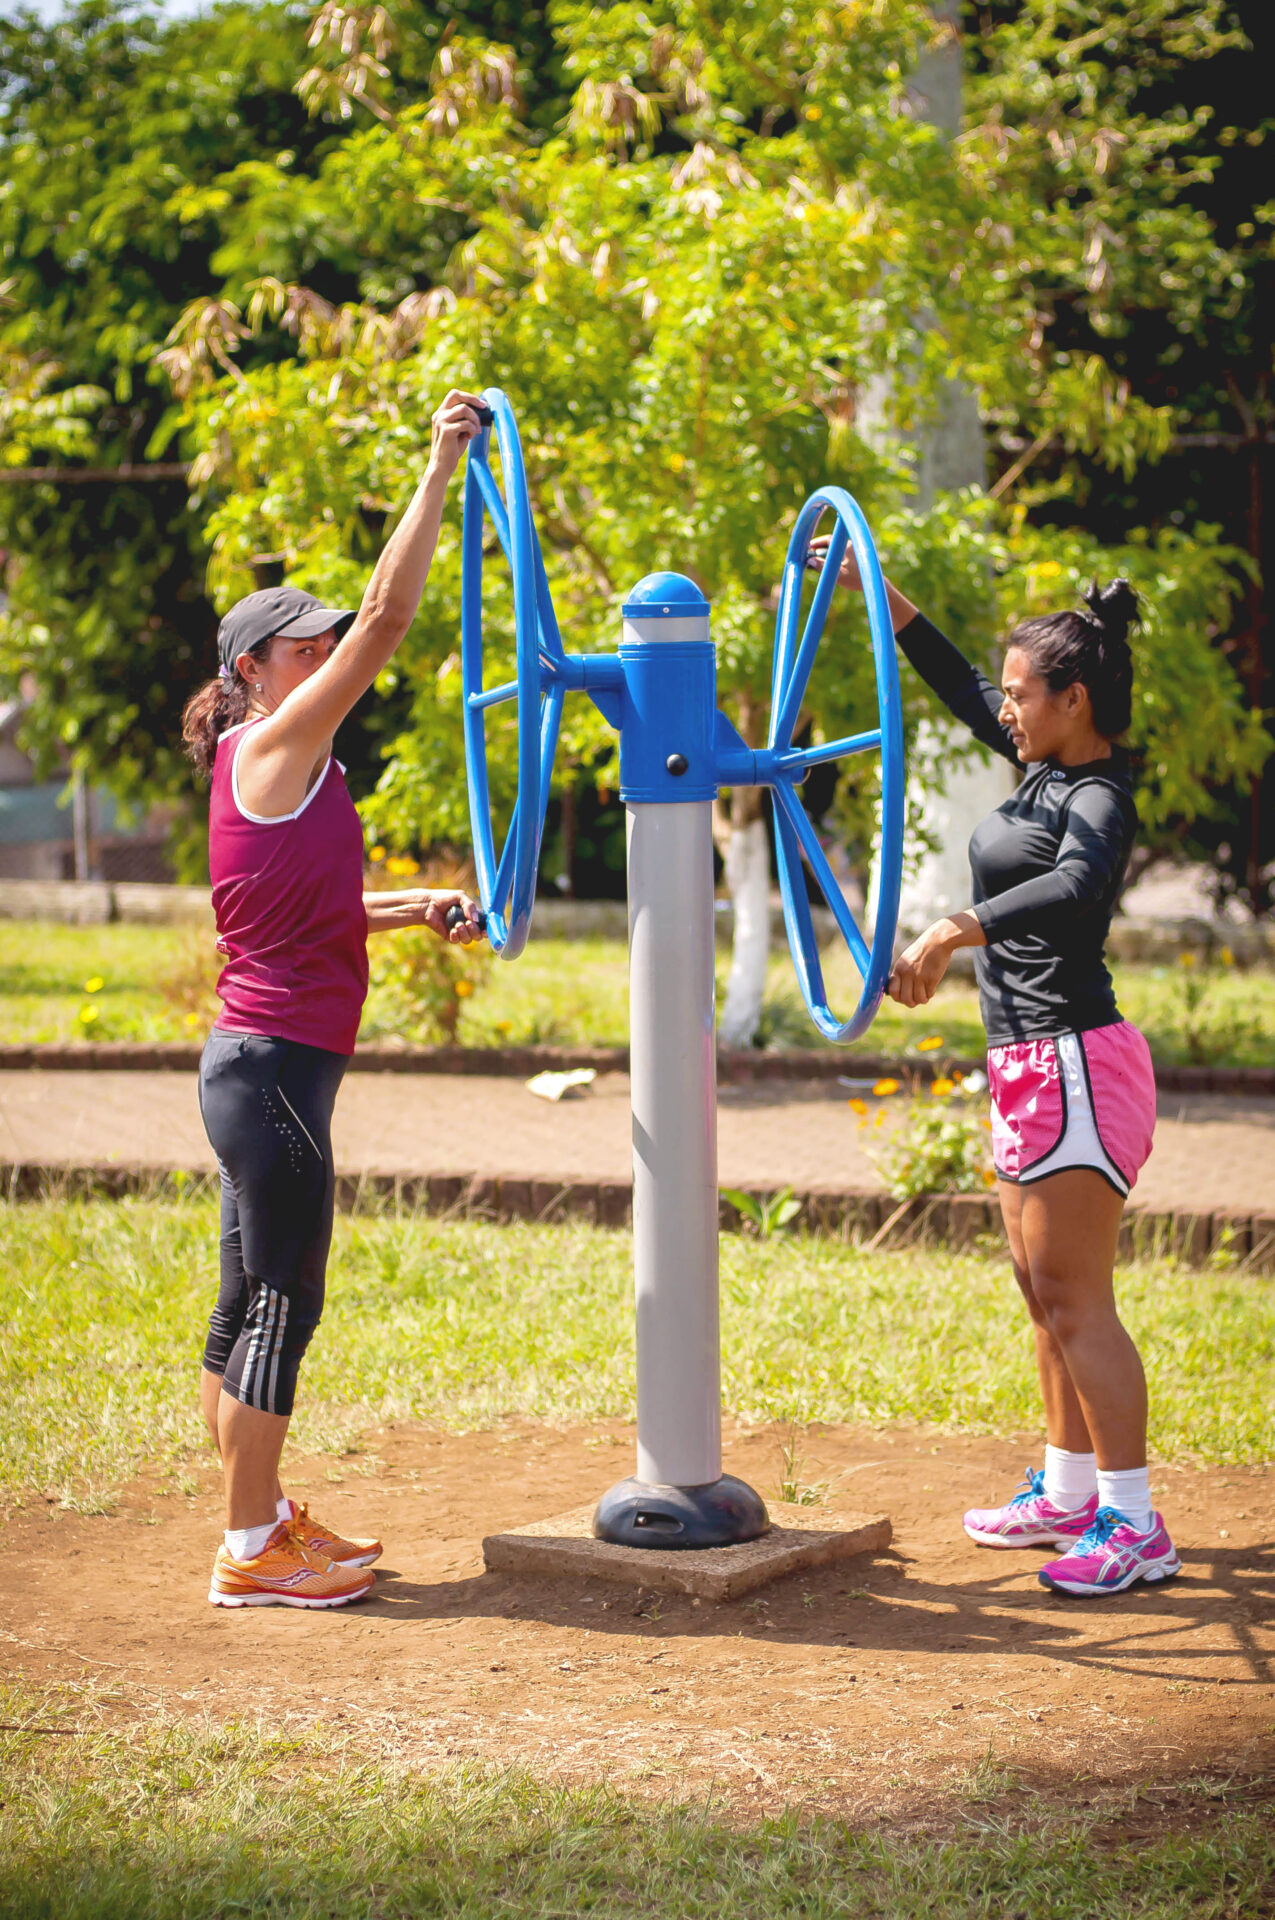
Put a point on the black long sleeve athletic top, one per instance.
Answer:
(1047, 865)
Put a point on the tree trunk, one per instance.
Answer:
(946, 801)
(82, 825)
(747, 858)
(739, 829)
(949, 455)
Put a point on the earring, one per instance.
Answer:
(256, 686)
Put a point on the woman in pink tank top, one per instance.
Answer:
(285, 850)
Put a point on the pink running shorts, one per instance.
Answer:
(1076, 1100)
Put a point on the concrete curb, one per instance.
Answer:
(1236, 1241)
(733, 1068)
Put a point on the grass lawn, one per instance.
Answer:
(103, 1305)
(111, 1808)
(156, 984)
(183, 1822)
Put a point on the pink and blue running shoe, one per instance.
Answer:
(1030, 1519)
(1112, 1556)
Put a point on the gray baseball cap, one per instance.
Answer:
(275, 610)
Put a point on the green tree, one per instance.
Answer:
(741, 225)
(691, 239)
(143, 162)
(108, 122)
(1139, 136)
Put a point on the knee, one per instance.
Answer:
(279, 1327)
(1022, 1276)
(306, 1313)
(299, 1340)
(1057, 1309)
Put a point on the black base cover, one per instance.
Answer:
(722, 1514)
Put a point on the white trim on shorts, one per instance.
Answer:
(1079, 1144)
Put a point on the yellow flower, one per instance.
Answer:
(192, 1019)
(1226, 956)
(1186, 960)
(1048, 570)
(401, 863)
(814, 113)
(941, 1087)
(86, 1016)
(930, 1042)
(858, 1106)
(677, 461)
(884, 1087)
(94, 985)
(376, 853)
(989, 1178)
(463, 989)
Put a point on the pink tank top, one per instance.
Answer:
(288, 896)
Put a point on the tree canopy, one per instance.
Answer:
(1185, 326)
(110, 124)
(689, 239)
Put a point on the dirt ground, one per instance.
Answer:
(937, 1668)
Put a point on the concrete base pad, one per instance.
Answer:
(800, 1538)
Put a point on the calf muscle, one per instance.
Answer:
(1062, 1233)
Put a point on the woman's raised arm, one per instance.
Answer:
(314, 710)
(966, 693)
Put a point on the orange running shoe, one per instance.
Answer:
(286, 1573)
(321, 1539)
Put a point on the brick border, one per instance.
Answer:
(865, 1219)
(734, 1068)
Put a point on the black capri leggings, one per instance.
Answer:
(267, 1109)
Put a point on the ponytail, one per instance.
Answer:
(217, 706)
(1090, 647)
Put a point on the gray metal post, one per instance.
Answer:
(679, 1496)
(673, 1077)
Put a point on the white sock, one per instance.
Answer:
(283, 1507)
(1129, 1492)
(245, 1543)
(1070, 1478)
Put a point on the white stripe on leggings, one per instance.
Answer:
(258, 1358)
(278, 1353)
(250, 1359)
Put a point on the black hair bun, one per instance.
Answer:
(1114, 607)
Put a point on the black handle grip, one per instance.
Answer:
(485, 414)
(456, 916)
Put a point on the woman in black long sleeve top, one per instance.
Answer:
(1073, 1094)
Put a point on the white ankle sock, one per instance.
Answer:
(1070, 1478)
(245, 1543)
(283, 1507)
(1129, 1491)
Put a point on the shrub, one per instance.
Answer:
(188, 986)
(1203, 1020)
(942, 1146)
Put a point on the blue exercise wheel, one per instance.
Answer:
(507, 881)
(795, 836)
